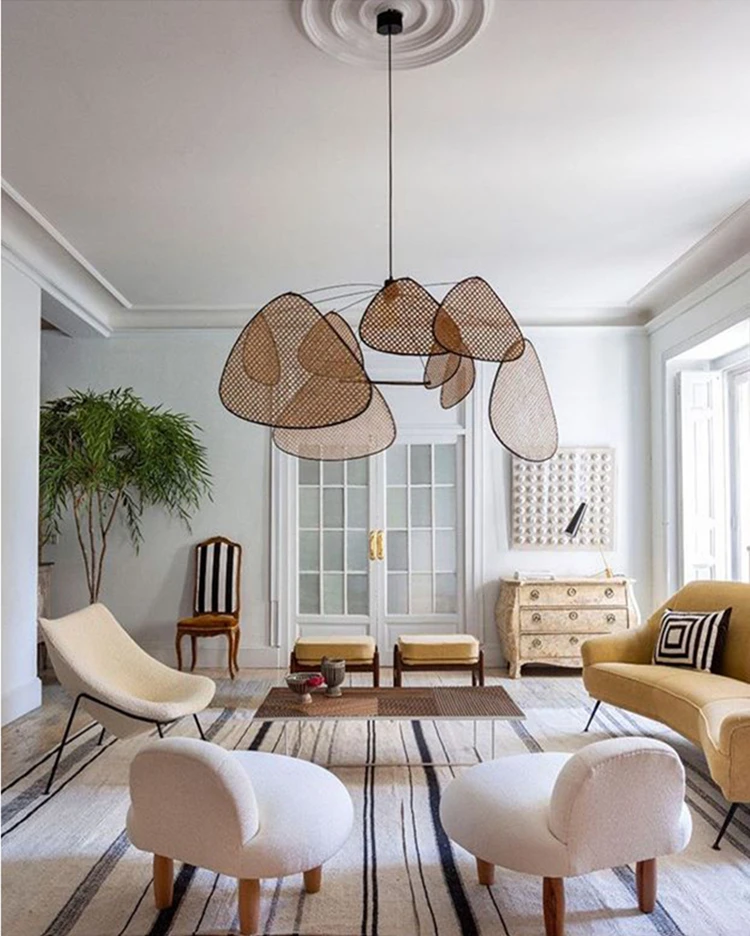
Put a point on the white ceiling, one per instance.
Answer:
(204, 154)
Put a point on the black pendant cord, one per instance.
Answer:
(390, 160)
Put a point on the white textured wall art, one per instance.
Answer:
(545, 496)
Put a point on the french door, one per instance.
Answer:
(374, 546)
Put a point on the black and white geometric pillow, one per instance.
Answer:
(693, 639)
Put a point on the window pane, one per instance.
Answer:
(333, 507)
(333, 472)
(421, 551)
(357, 471)
(357, 506)
(421, 471)
(397, 508)
(396, 553)
(445, 464)
(397, 594)
(333, 551)
(445, 551)
(421, 594)
(309, 471)
(309, 551)
(333, 593)
(445, 593)
(309, 594)
(356, 551)
(356, 594)
(309, 508)
(396, 464)
(421, 510)
(445, 507)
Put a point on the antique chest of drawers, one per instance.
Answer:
(547, 620)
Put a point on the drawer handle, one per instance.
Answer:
(536, 617)
(571, 591)
(574, 640)
(609, 593)
(536, 642)
(535, 593)
(610, 619)
(573, 615)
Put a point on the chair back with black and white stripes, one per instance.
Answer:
(217, 576)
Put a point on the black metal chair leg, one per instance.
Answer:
(160, 730)
(200, 730)
(62, 744)
(727, 819)
(593, 712)
(101, 737)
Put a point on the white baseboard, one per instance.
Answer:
(17, 702)
(213, 653)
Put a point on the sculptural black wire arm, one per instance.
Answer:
(113, 708)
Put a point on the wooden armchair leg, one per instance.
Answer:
(249, 906)
(645, 882)
(485, 872)
(313, 879)
(553, 890)
(163, 881)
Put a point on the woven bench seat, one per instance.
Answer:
(360, 653)
(434, 652)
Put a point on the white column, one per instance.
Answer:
(20, 338)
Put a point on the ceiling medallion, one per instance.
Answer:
(303, 373)
(432, 29)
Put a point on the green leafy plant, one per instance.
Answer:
(108, 455)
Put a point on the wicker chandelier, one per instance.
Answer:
(303, 373)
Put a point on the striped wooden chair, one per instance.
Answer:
(216, 606)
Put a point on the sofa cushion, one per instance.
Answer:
(692, 639)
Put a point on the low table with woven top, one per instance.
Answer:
(455, 703)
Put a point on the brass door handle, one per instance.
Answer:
(380, 543)
(373, 552)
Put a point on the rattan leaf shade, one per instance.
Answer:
(521, 412)
(460, 385)
(473, 321)
(441, 366)
(290, 368)
(399, 320)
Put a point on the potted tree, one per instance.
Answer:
(109, 455)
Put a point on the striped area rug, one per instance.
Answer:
(69, 870)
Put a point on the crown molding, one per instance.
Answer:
(726, 244)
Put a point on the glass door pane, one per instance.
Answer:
(332, 537)
(421, 529)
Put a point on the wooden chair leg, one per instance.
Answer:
(193, 643)
(553, 891)
(178, 648)
(230, 652)
(486, 872)
(163, 881)
(249, 899)
(313, 878)
(237, 634)
(645, 882)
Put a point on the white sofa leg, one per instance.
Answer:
(163, 881)
(249, 899)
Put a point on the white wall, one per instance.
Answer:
(148, 592)
(718, 304)
(21, 305)
(599, 383)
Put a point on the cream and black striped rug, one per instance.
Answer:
(68, 869)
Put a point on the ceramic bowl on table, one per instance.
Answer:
(302, 683)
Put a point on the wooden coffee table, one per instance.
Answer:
(433, 703)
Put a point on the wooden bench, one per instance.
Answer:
(445, 652)
(360, 653)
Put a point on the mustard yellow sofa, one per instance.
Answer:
(710, 709)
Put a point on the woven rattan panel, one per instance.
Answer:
(441, 366)
(399, 319)
(431, 702)
(290, 368)
(473, 321)
(521, 413)
(460, 384)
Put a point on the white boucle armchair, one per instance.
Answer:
(559, 815)
(127, 691)
(245, 814)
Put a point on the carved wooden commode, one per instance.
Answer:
(547, 620)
